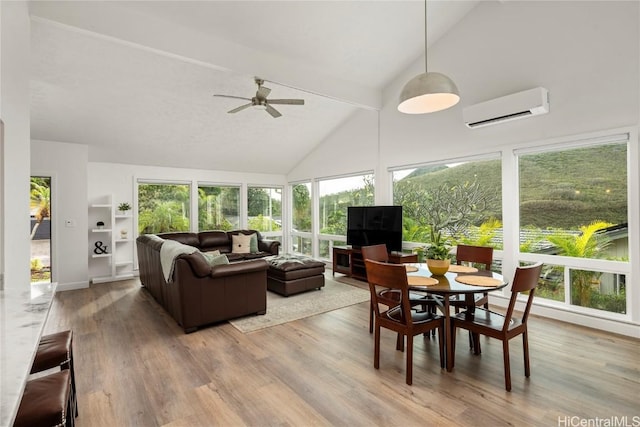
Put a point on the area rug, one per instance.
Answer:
(334, 295)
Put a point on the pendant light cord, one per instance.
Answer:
(426, 69)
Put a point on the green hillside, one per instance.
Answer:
(560, 189)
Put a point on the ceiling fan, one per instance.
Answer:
(260, 100)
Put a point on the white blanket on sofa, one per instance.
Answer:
(169, 250)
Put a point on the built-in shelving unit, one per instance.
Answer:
(117, 262)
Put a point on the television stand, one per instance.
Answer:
(348, 260)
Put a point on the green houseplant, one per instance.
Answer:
(437, 254)
(124, 207)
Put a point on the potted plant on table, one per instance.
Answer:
(123, 208)
(438, 255)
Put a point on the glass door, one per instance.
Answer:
(40, 212)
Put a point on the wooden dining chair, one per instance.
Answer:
(478, 256)
(401, 318)
(503, 326)
(386, 296)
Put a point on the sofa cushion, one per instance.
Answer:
(190, 239)
(210, 240)
(240, 244)
(235, 257)
(253, 243)
(216, 259)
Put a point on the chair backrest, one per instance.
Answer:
(392, 276)
(525, 279)
(375, 253)
(475, 255)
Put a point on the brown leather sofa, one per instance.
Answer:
(219, 240)
(198, 293)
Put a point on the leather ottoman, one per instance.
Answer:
(292, 274)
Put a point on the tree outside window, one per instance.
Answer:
(218, 207)
(301, 218)
(335, 196)
(163, 208)
(462, 201)
(265, 208)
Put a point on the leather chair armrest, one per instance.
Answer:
(271, 246)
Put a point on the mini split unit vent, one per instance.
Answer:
(519, 105)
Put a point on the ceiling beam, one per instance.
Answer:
(117, 23)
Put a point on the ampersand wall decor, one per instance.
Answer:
(99, 249)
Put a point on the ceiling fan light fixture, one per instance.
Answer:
(428, 93)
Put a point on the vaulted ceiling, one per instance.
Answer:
(134, 80)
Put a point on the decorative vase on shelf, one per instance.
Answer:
(123, 234)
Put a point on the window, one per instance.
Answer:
(573, 205)
(335, 195)
(218, 207)
(163, 207)
(462, 200)
(301, 218)
(265, 210)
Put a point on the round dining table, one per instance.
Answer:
(459, 280)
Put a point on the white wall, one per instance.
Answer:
(14, 110)
(67, 165)
(353, 147)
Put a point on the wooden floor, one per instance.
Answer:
(135, 367)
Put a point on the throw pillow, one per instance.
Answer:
(253, 244)
(240, 244)
(215, 259)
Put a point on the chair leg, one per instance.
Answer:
(441, 344)
(409, 359)
(525, 348)
(507, 367)
(371, 318)
(400, 342)
(475, 338)
(486, 304)
(376, 348)
(453, 345)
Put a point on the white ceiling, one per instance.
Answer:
(134, 80)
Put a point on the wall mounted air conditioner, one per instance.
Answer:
(519, 105)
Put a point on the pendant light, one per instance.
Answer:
(428, 92)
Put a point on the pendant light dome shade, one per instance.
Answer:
(427, 93)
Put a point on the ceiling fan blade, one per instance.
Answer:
(274, 113)
(240, 108)
(233, 97)
(287, 101)
(263, 92)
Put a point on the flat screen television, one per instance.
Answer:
(374, 225)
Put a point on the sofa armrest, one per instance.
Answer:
(271, 246)
(239, 268)
(198, 264)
